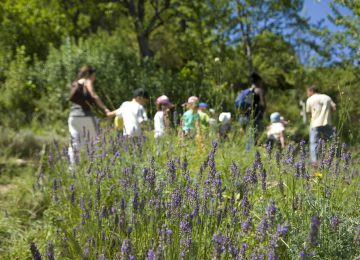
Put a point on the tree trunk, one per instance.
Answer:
(144, 48)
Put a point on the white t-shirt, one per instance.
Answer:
(159, 125)
(225, 117)
(274, 130)
(320, 106)
(133, 114)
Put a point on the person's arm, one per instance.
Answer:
(98, 101)
(181, 133)
(262, 98)
(166, 119)
(333, 106)
(116, 112)
(282, 139)
(111, 114)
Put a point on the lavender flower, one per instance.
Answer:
(35, 251)
(282, 230)
(50, 251)
(302, 150)
(271, 211)
(277, 158)
(290, 155)
(171, 171)
(281, 186)
(243, 251)
(263, 179)
(335, 222)
(246, 225)
(261, 230)
(245, 204)
(314, 230)
(103, 212)
(151, 255)
(175, 203)
(185, 236)
(234, 172)
(98, 193)
(72, 196)
(218, 245)
(126, 249)
(149, 174)
(357, 235)
(136, 202)
(343, 152)
(268, 150)
(74, 232)
(295, 202)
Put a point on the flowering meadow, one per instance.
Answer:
(137, 199)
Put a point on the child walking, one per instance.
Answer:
(133, 113)
(190, 122)
(161, 119)
(276, 131)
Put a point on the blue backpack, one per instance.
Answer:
(245, 99)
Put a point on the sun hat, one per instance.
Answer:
(275, 117)
(225, 117)
(203, 104)
(163, 100)
(193, 99)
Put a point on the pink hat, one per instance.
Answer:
(163, 100)
(193, 99)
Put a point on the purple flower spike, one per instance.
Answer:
(72, 196)
(50, 251)
(261, 230)
(35, 251)
(151, 255)
(243, 251)
(282, 230)
(246, 225)
(271, 211)
(126, 249)
(219, 241)
(314, 230)
(335, 222)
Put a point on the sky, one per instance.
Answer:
(319, 9)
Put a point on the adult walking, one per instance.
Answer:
(252, 104)
(321, 107)
(81, 120)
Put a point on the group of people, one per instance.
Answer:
(197, 120)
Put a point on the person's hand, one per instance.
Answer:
(109, 114)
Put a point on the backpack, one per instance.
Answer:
(245, 99)
(79, 95)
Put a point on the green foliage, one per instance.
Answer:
(42, 50)
(18, 92)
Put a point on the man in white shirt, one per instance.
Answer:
(321, 107)
(133, 113)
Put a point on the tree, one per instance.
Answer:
(253, 17)
(346, 40)
(146, 16)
